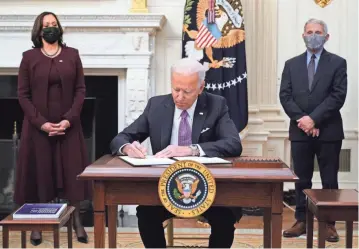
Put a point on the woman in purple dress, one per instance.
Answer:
(51, 92)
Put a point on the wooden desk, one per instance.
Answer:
(241, 184)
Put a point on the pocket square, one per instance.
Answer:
(204, 130)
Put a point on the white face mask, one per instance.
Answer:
(314, 41)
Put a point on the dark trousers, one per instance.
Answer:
(303, 161)
(150, 225)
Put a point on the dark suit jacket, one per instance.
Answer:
(322, 103)
(221, 140)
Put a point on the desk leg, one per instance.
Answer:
(23, 239)
(349, 234)
(309, 219)
(56, 237)
(267, 233)
(277, 211)
(277, 230)
(5, 237)
(321, 234)
(69, 231)
(99, 214)
(112, 225)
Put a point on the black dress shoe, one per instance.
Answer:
(36, 242)
(83, 239)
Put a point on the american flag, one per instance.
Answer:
(204, 37)
(210, 13)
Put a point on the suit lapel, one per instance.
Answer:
(303, 68)
(199, 117)
(167, 122)
(322, 64)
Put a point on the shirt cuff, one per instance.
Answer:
(201, 152)
(120, 149)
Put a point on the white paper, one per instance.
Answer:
(204, 160)
(149, 160)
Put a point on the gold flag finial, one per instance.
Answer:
(323, 3)
(139, 6)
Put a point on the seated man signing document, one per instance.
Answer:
(189, 122)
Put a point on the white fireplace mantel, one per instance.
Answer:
(122, 45)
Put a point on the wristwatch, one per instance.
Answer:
(195, 150)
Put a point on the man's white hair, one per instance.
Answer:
(313, 20)
(188, 66)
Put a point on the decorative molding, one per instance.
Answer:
(279, 133)
(255, 121)
(257, 136)
(284, 134)
(121, 17)
(150, 23)
(351, 134)
(136, 93)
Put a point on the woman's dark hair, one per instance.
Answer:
(37, 28)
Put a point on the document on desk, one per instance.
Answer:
(148, 161)
(204, 160)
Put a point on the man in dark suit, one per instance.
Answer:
(188, 123)
(312, 92)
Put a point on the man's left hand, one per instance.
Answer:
(306, 123)
(173, 150)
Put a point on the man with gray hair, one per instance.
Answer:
(312, 92)
(189, 122)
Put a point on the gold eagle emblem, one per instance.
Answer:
(187, 186)
(323, 3)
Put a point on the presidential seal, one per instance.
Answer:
(187, 188)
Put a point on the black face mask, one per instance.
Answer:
(51, 34)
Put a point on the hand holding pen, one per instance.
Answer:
(135, 150)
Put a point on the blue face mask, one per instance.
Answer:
(314, 41)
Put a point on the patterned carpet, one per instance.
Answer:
(133, 240)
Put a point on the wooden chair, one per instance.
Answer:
(331, 205)
(23, 225)
(170, 234)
